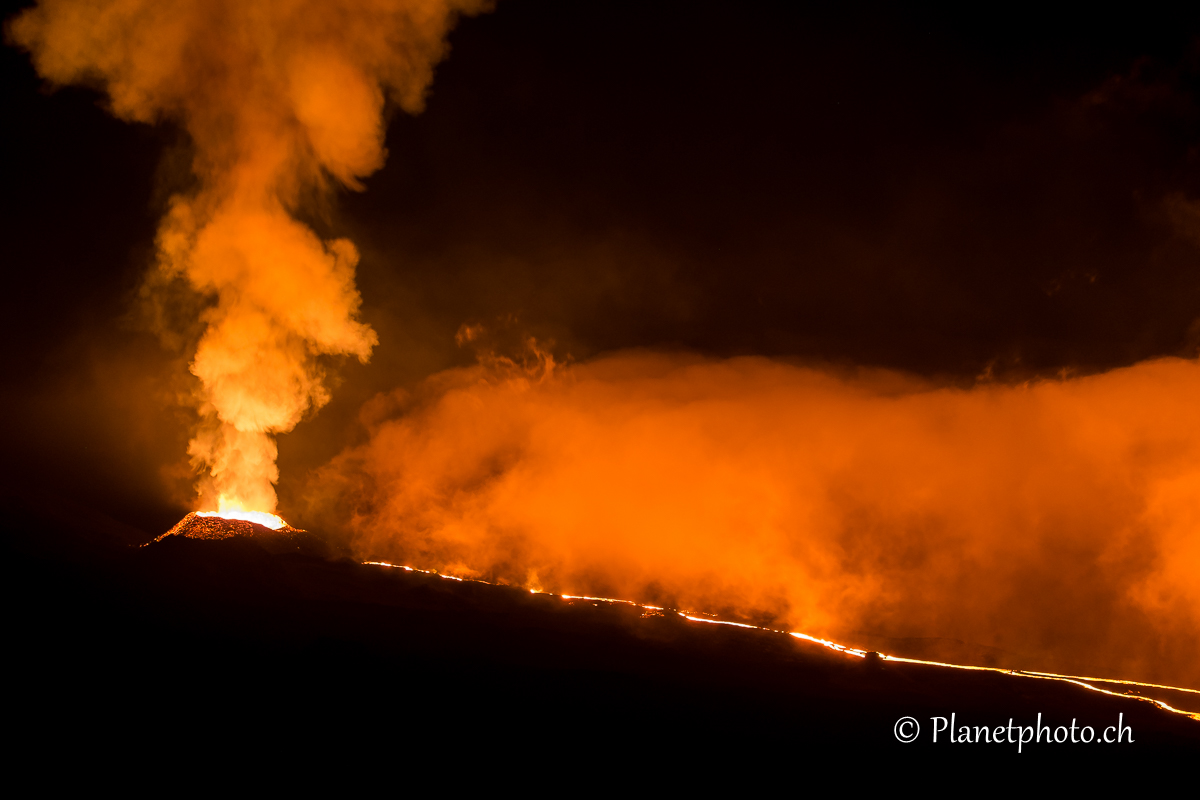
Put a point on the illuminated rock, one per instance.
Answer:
(197, 526)
(213, 528)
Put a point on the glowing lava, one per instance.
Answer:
(1136, 690)
(258, 517)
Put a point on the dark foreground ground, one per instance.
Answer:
(261, 647)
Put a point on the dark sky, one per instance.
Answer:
(951, 194)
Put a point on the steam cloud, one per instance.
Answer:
(279, 97)
(1056, 520)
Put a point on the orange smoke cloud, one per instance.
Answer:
(279, 97)
(1056, 520)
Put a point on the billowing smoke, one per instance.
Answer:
(1056, 520)
(282, 99)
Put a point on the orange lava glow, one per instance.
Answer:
(260, 517)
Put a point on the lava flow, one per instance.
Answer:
(1134, 690)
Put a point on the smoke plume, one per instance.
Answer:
(1056, 520)
(281, 99)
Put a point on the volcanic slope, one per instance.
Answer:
(282, 632)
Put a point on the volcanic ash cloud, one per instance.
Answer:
(281, 99)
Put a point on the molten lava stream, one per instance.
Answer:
(853, 652)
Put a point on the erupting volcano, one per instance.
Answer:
(278, 99)
(870, 339)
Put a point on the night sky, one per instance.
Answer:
(991, 194)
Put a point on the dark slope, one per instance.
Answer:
(273, 641)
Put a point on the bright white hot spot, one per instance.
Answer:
(261, 517)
